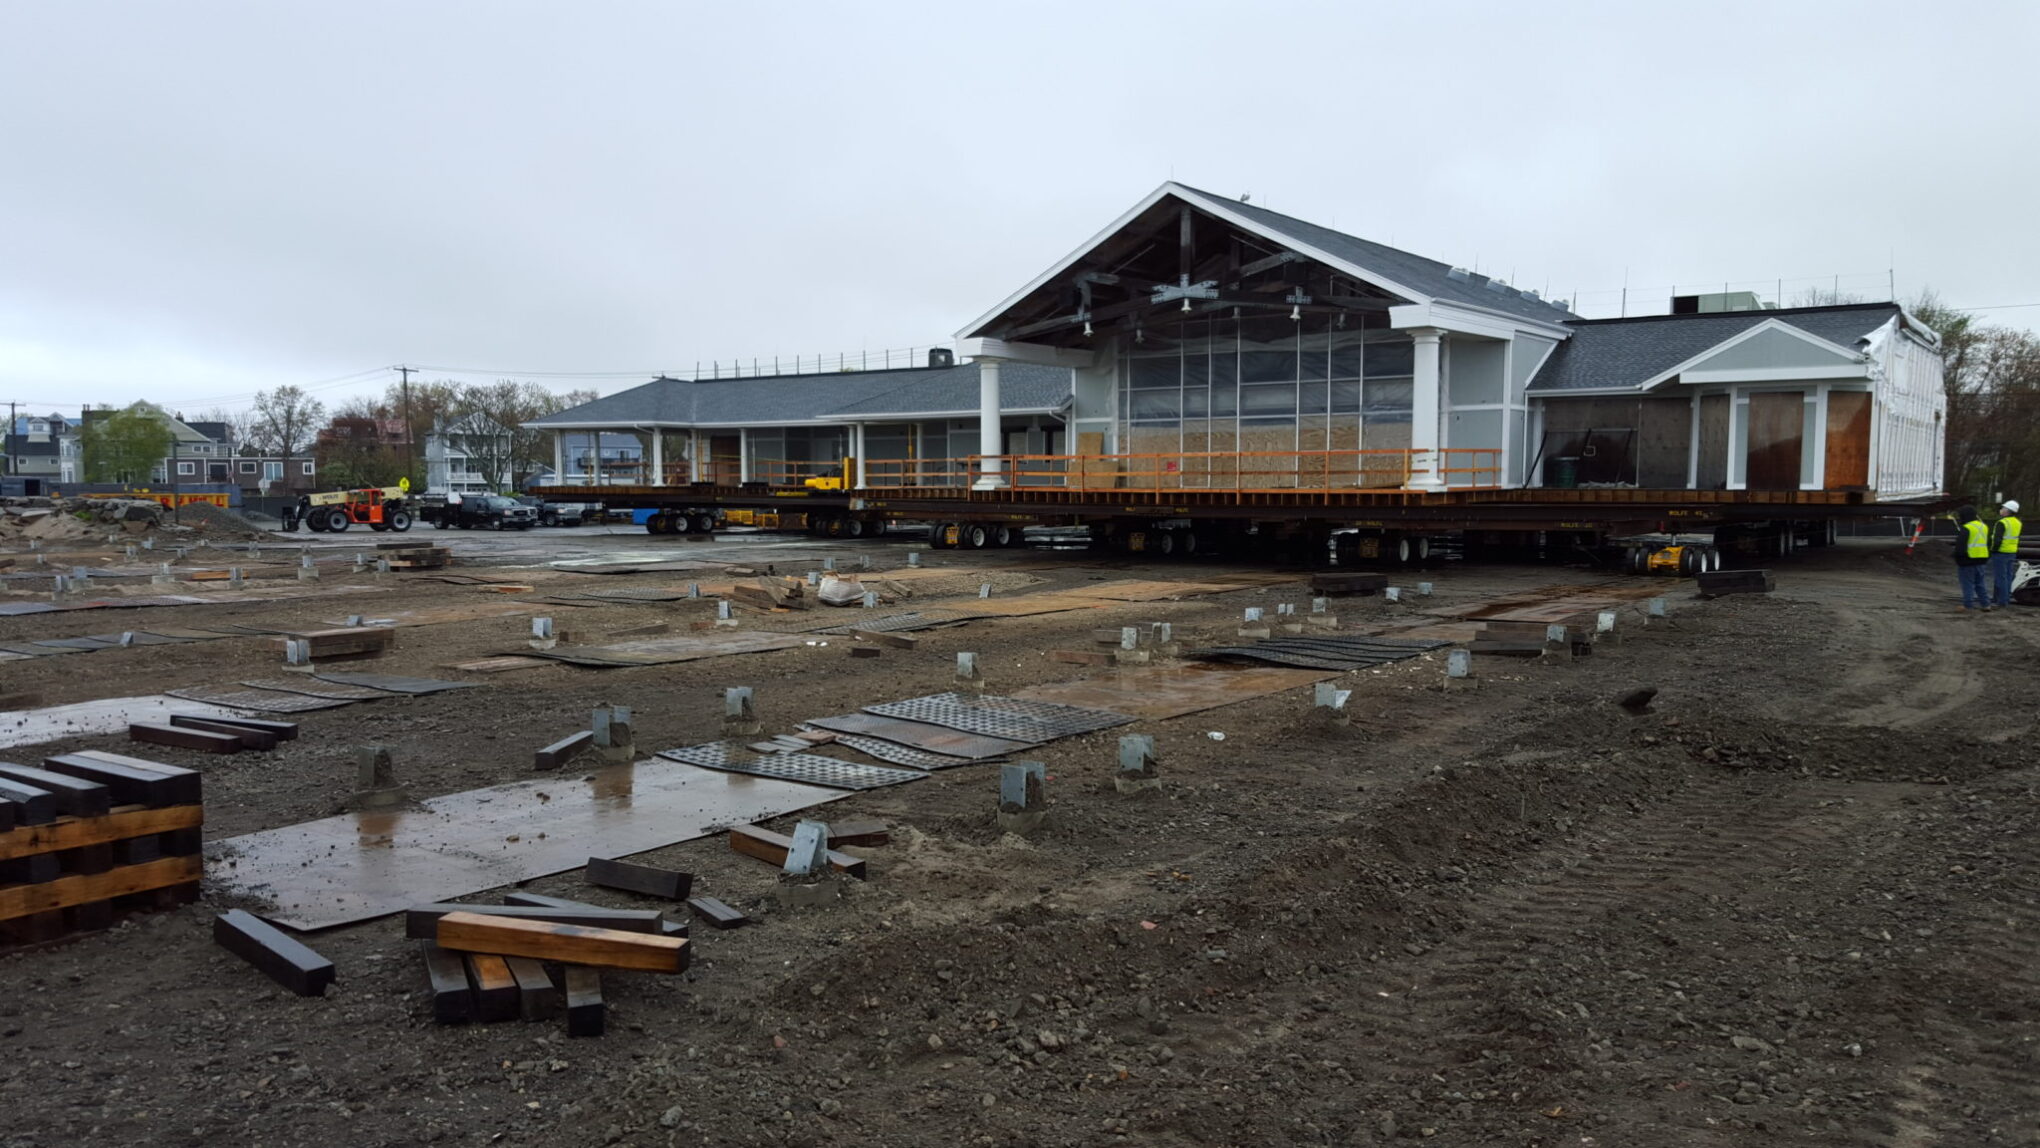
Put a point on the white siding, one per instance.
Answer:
(1911, 411)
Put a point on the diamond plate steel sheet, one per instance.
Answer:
(898, 754)
(936, 739)
(261, 701)
(394, 683)
(806, 768)
(312, 688)
(1013, 718)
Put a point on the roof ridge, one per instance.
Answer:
(1320, 226)
(1825, 308)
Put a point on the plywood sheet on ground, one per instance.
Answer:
(444, 614)
(500, 665)
(1145, 590)
(362, 865)
(664, 651)
(1158, 692)
(108, 715)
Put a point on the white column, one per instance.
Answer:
(857, 448)
(658, 457)
(744, 455)
(1427, 390)
(560, 457)
(991, 442)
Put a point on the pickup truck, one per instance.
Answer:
(561, 513)
(475, 512)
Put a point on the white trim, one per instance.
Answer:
(1472, 319)
(1776, 374)
(1210, 206)
(1039, 354)
(1746, 335)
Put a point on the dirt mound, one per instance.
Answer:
(217, 522)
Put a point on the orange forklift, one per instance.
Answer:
(380, 508)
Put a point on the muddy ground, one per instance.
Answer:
(1795, 903)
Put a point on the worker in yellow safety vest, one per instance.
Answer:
(2004, 550)
(1972, 558)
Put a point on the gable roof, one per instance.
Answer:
(1621, 354)
(780, 400)
(1410, 270)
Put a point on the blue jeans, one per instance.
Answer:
(2002, 569)
(1975, 595)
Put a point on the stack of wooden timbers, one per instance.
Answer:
(88, 835)
(535, 957)
(414, 555)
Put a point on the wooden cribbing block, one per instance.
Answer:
(282, 959)
(564, 750)
(1334, 583)
(6, 816)
(249, 738)
(716, 913)
(280, 730)
(32, 806)
(133, 780)
(766, 845)
(74, 798)
(421, 922)
(633, 878)
(896, 641)
(495, 989)
(117, 827)
(864, 651)
(537, 997)
(540, 900)
(858, 833)
(568, 944)
(453, 1002)
(347, 642)
(154, 733)
(584, 1001)
(82, 888)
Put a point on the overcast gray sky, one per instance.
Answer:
(199, 200)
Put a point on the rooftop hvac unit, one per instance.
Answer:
(941, 357)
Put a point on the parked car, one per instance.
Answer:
(475, 511)
(561, 513)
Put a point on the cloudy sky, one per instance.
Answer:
(200, 200)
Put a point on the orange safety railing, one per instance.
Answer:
(795, 472)
(1240, 471)
(918, 472)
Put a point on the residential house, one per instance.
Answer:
(42, 450)
(208, 452)
(469, 455)
(1200, 342)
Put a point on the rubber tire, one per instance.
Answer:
(975, 536)
(1690, 561)
(702, 523)
(853, 527)
(400, 520)
(940, 539)
(1162, 543)
(1423, 548)
(1402, 550)
(379, 527)
(658, 524)
(1186, 542)
(316, 523)
(1002, 536)
(439, 524)
(336, 521)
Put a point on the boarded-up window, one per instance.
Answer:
(1848, 441)
(1776, 440)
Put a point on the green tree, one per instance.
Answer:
(125, 445)
(1991, 376)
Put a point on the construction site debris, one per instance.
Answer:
(765, 845)
(282, 959)
(471, 932)
(633, 878)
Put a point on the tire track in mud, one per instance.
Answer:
(1992, 1051)
(1712, 839)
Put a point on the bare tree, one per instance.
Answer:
(285, 421)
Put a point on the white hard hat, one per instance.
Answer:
(2012, 504)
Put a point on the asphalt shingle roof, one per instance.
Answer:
(1413, 271)
(1606, 354)
(785, 399)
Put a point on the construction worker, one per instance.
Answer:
(1972, 558)
(2004, 550)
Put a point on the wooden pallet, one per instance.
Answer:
(73, 874)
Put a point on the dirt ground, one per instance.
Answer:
(1797, 902)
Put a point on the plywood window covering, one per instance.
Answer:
(1776, 440)
(1848, 441)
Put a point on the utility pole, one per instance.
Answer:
(410, 450)
(12, 466)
